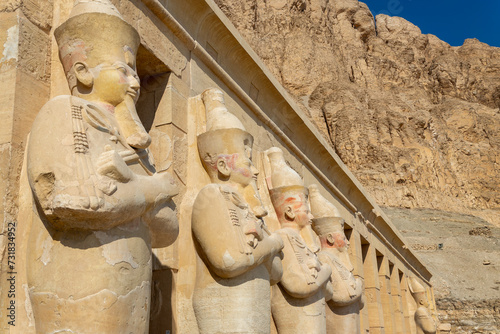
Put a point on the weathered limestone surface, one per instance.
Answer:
(462, 251)
(345, 302)
(24, 65)
(98, 204)
(97, 214)
(298, 300)
(425, 324)
(405, 111)
(237, 255)
(414, 118)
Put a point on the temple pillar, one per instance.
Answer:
(408, 305)
(397, 301)
(356, 253)
(385, 293)
(372, 289)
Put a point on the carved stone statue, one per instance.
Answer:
(99, 205)
(237, 255)
(298, 300)
(342, 313)
(423, 317)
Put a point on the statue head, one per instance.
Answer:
(226, 150)
(327, 222)
(418, 292)
(288, 194)
(98, 51)
(97, 47)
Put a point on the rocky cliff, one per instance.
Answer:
(415, 119)
(410, 115)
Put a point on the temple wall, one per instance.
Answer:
(188, 46)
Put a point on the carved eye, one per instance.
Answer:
(123, 70)
(79, 67)
(248, 151)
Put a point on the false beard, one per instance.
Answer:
(130, 125)
(254, 201)
(345, 259)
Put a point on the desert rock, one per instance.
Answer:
(409, 114)
(415, 119)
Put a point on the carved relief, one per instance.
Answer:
(345, 301)
(237, 253)
(298, 301)
(423, 317)
(100, 205)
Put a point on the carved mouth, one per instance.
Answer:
(133, 93)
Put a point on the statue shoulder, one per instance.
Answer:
(54, 109)
(208, 202)
(208, 192)
(287, 232)
(422, 312)
(61, 103)
(52, 124)
(213, 194)
(326, 257)
(62, 99)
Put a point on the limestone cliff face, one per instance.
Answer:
(415, 119)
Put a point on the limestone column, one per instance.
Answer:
(397, 301)
(356, 254)
(355, 251)
(432, 303)
(167, 95)
(24, 88)
(408, 305)
(385, 293)
(372, 290)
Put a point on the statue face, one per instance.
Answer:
(421, 299)
(303, 216)
(238, 167)
(113, 83)
(242, 170)
(339, 241)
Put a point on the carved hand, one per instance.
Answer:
(159, 189)
(275, 268)
(278, 241)
(325, 274)
(314, 263)
(314, 266)
(360, 285)
(328, 290)
(253, 232)
(112, 165)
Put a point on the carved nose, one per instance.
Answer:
(260, 211)
(134, 83)
(254, 170)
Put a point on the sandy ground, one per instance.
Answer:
(464, 266)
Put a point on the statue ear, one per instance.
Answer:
(223, 168)
(329, 239)
(289, 214)
(83, 74)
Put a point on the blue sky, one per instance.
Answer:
(452, 21)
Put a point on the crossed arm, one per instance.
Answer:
(76, 191)
(294, 279)
(217, 241)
